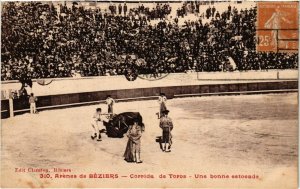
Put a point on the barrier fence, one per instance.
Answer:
(16, 106)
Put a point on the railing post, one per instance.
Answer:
(11, 107)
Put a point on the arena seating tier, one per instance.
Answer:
(40, 40)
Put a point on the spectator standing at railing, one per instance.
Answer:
(120, 9)
(32, 102)
(125, 9)
(213, 10)
(197, 7)
(208, 13)
(229, 8)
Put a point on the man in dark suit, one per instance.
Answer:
(125, 9)
(120, 9)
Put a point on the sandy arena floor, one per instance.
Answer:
(251, 134)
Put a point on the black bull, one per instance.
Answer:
(118, 125)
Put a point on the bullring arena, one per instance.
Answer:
(213, 135)
(229, 71)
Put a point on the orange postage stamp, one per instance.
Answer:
(277, 26)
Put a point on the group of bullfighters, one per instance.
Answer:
(134, 132)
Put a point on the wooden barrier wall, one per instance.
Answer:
(73, 99)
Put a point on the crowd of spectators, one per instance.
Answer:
(189, 7)
(40, 40)
(160, 11)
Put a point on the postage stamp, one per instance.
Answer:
(277, 26)
(149, 94)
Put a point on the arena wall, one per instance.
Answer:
(85, 98)
(253, 75)
(106, 83)
(174, 86)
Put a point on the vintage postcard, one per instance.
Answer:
(149, 94)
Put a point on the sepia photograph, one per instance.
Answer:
(149, 94)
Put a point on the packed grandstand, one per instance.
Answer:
(47, 40)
